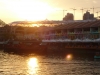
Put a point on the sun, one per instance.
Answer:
(31, 9)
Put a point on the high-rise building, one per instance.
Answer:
(69, 16)
(88, 16)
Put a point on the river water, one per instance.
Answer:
(12, 64)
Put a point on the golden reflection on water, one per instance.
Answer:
(69, 57)
(33, 66)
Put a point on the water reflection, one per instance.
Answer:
(11, 64)
(32, 66)
(69, 57)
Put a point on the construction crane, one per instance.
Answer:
(82, 10)
(94, 8)
(97, 13)
(74, 12)
(63, 11)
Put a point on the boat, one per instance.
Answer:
(24, 47)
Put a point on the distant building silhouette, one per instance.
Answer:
(69, 16)
(88, 16)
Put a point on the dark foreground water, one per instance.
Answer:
(11, 64)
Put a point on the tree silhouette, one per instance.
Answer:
(2, 23)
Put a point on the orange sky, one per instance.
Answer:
(19, 10)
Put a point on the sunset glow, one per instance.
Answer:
(31, 10)
(19, 10)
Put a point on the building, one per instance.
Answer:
(69, 16)
(72, 30)
(88, 16)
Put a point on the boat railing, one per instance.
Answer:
(69, 40)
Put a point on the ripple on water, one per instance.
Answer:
(11, 64)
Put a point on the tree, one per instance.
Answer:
(2, 23)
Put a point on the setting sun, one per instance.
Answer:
(31, 10)
(17, 10)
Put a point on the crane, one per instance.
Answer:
(94, 8)
(97, 13)
(62, 12)
(74, 11)
(82, 10)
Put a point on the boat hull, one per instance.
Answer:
(55, 48)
